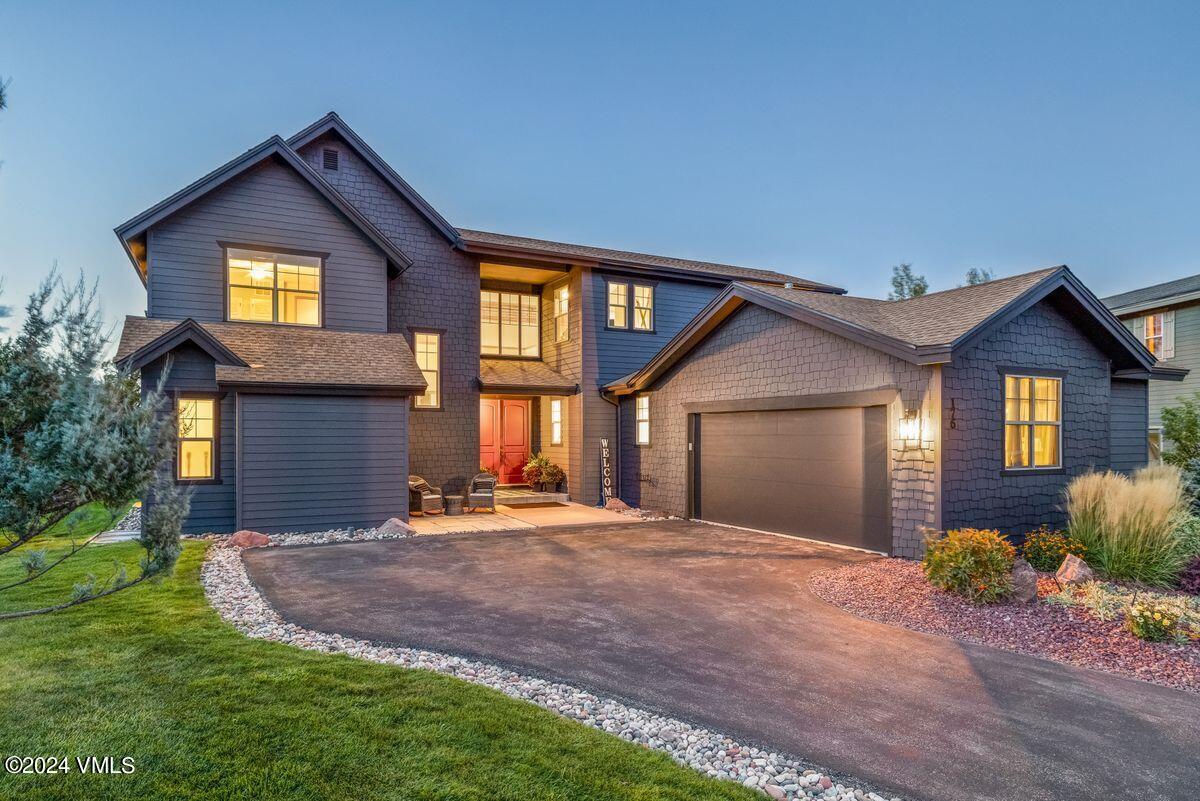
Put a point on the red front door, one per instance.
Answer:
(504, 437)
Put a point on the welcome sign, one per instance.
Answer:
(607, 484)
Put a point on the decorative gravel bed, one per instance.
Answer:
(895, 591)
(237, 600)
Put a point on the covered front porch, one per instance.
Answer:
(532, 510)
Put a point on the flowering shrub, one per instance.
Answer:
(974, 563)
(1153, 620)
(1045, 549)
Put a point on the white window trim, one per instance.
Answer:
(638, 418)
(556, 421)
(1032, 423)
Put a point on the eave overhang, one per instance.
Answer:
(132, 233)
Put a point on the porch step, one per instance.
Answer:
(526, 497)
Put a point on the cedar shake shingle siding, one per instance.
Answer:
(975, 490)
(439, 292)
(759, 353)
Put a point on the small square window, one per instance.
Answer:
(1032, 422)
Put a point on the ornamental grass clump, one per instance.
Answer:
(974, 563)
(1153, 620)
(1134, 528)
(1045, 549)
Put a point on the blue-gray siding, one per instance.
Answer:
(309, 463)
(213, 505)
(1187, 356)
(273, 207)
(439, 291)
(976, 491)
(1129, 420)
(619, 351)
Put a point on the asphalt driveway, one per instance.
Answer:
(718, 627)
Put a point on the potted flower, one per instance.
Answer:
(553, 476)
(533, 470)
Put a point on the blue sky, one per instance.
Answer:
(827, 140)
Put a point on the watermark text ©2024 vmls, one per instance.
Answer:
(46, 765)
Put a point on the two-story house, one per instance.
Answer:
(328, 333)
(1166, 318)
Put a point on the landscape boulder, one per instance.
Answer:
(394, 525)
(1074, 570)
(616, 505)
(1024, 583)
(247, 539)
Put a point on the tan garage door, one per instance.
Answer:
(817, 473)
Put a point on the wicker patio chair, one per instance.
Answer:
(422, 498)
(482, 494)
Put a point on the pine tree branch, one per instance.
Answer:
(47, 609)
(74, 550)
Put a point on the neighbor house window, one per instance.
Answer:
(642, 417)
(618, 305)
(274, 287)
(643, 308)
(508, 324)
(196, 453)
(1154, 445)
(1032, 422)
(620, 296)
(562, 304)
(1159, 334)
(427, 348)
(556, 422)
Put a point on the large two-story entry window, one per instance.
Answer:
(274, 287)
(427, 347)
(197, 439)
(1032, 422)
(630, 306)
(508, 324)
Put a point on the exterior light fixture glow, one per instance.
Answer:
(909, 428)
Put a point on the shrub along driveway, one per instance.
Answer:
(718, 627)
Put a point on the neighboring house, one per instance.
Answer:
(328, 333)
(1166, 318)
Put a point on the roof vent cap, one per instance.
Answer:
(789, 285)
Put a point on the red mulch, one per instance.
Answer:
(895, 591)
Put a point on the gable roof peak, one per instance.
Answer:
(332, 122)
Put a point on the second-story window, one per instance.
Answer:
(618, 305)
(643, 308)
(1159, 334)
(274, 287)
(630, 306)
(562, 306)
(508, 324)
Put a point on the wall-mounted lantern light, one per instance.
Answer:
(909, 428)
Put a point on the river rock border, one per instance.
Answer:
(229, 590)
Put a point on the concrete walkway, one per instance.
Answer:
(718, 627)
(516, 518)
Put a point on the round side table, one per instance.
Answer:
(454, 504)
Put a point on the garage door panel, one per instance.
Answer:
(819, 473)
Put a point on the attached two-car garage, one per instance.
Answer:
(820, 473)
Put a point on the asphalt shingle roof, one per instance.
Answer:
(497, 374)
(938, 318)
(626, 257)
(297, 356)
(1149, 294)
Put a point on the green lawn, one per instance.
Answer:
(154, 674)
